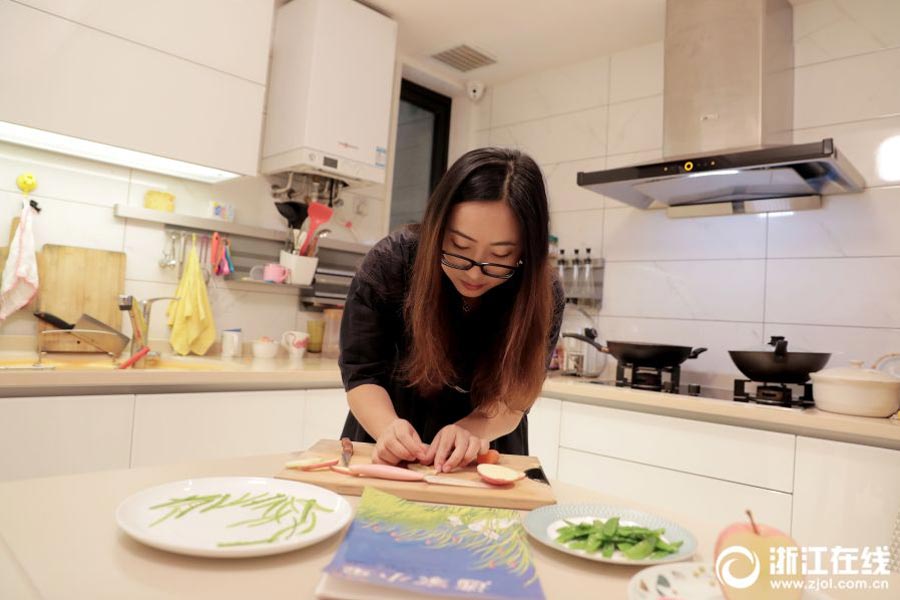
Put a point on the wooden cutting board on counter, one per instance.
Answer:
(75, 281)
(525, 494)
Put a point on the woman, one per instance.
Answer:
(448, 325)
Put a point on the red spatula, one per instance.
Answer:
(318, 214)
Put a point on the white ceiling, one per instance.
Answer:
(522, 35)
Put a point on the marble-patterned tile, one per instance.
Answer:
(843, 343)
(855, 292)
(145, 244)
(848, 225)
(871, 146)
(579, 229)
(573, 136)
(849, 89)
(636, 234)
(830, 29)
(66, 223)
(635, 125)
(636, 73)
(63, 177)
(720, 290)
(565, 89)
(563, 190)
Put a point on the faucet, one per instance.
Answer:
(139, 311)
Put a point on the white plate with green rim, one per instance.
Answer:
(544, 523)
(233, 517)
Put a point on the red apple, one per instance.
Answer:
(497, 475)
(311, 463)
(743, 566)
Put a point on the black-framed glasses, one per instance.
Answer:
(497, 271)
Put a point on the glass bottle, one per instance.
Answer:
(587, 277)
(574, 289)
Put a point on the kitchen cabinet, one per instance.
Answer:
(696, 497)
(845, 494)
(742, 455)
(324, 415)
(170, 428)
(57, 435)
(232, 37)
(543, 433)
(133, 84)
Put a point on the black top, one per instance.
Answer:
(374, 342)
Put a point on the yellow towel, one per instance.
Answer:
(190, 317)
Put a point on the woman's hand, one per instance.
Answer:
(398, 442)
(454, 446)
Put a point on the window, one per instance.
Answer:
(423, 135)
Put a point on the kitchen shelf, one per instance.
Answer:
(201, 223)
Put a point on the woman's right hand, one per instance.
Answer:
(398, 442)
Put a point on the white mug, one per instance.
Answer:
(231, 343)
(295, 342)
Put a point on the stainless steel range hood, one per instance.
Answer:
(729, 85)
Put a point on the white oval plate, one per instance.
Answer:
(219, 528)
(686, 581)
(543, 523)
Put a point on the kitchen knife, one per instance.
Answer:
(52, 319)
(537, 474)
(346, 451)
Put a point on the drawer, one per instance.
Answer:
(700, 499)
(749, 456)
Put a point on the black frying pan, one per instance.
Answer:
(295, 212)
(779, 365)
(641, 354)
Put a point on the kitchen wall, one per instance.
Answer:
(827, 279)
(77, 198)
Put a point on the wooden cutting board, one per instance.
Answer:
(75, 281)
(525, 494)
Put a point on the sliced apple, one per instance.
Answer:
(497, 475)
(311, 463)
(342, 470)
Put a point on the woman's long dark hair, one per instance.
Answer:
(513, 374)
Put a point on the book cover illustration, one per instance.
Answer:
(461, 551)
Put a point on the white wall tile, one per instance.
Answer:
(721, 290)
(863, 224)
(860, 292)
(67, 223)
(662, 238)
(714, 367)
(829, 29)
(144, 244)
(636, 125)
(479, 113)
(850, 89)
(578, 229)
(63, 177)
(636, 73)
(570, 88)
(572, 136)
(482, 139)
(563, 189)
(844, 343)
(860, 143)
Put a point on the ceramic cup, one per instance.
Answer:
(265, 348)
(295, 342)
(272, 272)
(302, 268)
(231, 343)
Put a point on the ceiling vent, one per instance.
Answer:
(464, 58)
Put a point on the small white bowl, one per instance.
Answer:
(263, 349)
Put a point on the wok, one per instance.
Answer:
(295, 212)
(778, 365)
(641, 354)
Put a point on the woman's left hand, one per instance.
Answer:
(454, 446)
